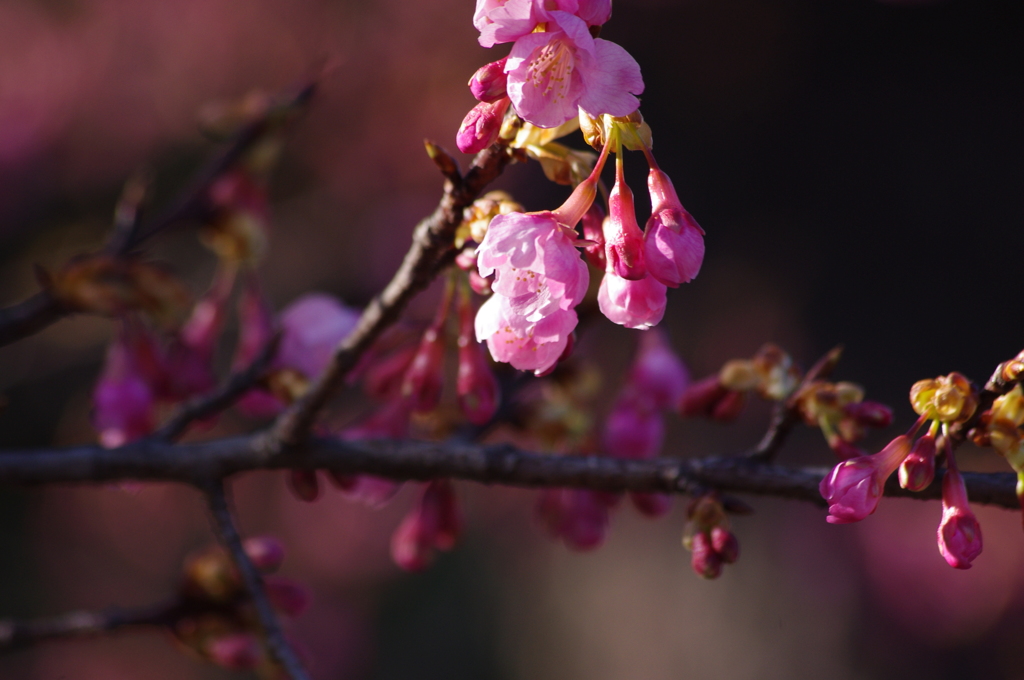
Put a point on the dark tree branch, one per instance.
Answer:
(227, 534)
(786, 415)
(16, 635)
(432, 248)
(43, 309)
(154, 460)
(223, 397)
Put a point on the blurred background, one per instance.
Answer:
(857, 165)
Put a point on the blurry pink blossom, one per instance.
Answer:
(434, 523)
(312, 326)
(577, 516)
(123, 401)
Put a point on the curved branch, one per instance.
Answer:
(413, 460)
(227, 533)
(16, 635)
(432, 249)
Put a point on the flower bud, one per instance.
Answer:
(593, 230)
(869, 413)
(488, 83)
(434, 523)
(123, 401)
(578, 516)
(918, 469)
(623, 240)
(476, 386)
(673, 241)
(235, 651)
(855, 486)
(384, 377)
(700, 397)
(287, 596)
(481, 126)
(423, 381)
(725, 544)
(705, 561)
(266, 552)
(959, 534)
(652, 504)
(304, 485)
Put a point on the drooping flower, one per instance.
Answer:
(123, 401)
(658, 373)
(673, 241)
(539, 279)
(959, 532)
(312, 326)
(477, 388)
(633, 304)
(553, 73)
(501, 21)
(855, 486)
(435, 523)
(623, 240)
(579, 517)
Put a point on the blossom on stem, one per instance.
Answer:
(481, 125)
(658, 373)
(623, 240)
(959, 533)
(855, 486)
(554, 72)
(123, 401)
(633, 304)
(918, 469)
(578, 517)
(488, 83)
(476, 386)
(311, 328)
(434, 523)
(673, 241)
(423, 379)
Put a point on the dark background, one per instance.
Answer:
(857, 166)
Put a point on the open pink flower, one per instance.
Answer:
(552, 73)
(855, 486)
(501, 21)
(633, 304)
(539, 279)
(673, 241)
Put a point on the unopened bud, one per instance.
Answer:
(869, 413)
(918, 469)
(488, 83)
(266, 552)
(705, 561)
(725, 544)
(423, 381)
(287, 596)
(235, 651)
(623, 240)
(304, 485)
(481, 126)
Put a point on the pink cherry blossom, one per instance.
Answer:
(959, 532)
(312, 326)
(539, 279)
(855, 486)
(434, 523)
(673, 241)
(623, 240)
(658, 373)
(633, 304)
(553, 73)
(123, 401)
(577, 516)
(633, 431)
(478, 391)
(501, 21)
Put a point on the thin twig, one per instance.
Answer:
(786, 414)
(15, 635)
(223, 397)
(153, 460)
(432, 248)
(43, 309)
(227, 534)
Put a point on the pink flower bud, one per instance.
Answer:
(729, 406)
(312, 327)
(623, 240)
(959, 532)
(633, 432)
(633, 304)
(855, 486)
(652, 504)
(843, 449)
(701, 397)
(123, 401)
(480, 285)
(673, 241)
(725, 544)
(705, 560)
(235, 651)
(435, 523)
(869, 413)
(488, 83)
(658, 373)
(577, 516)
(423, 381)
(481, 126)
(593, 230)
(385, 376)
(287, 596)
(255, 329)
(266, 552)
(373, 492)
(918, 469)
(476, 386)
(304, 485)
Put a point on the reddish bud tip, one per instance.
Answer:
(304, 485)
(266, 552)
(236, 651)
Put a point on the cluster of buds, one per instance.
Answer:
(840, 411)
(855, 486)
(1000, 426)
(217, 622)
(771, 374)
(708, 538)
(635, 428)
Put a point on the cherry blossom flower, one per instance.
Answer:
(959, 532)
(633, 304)
(553, 73)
